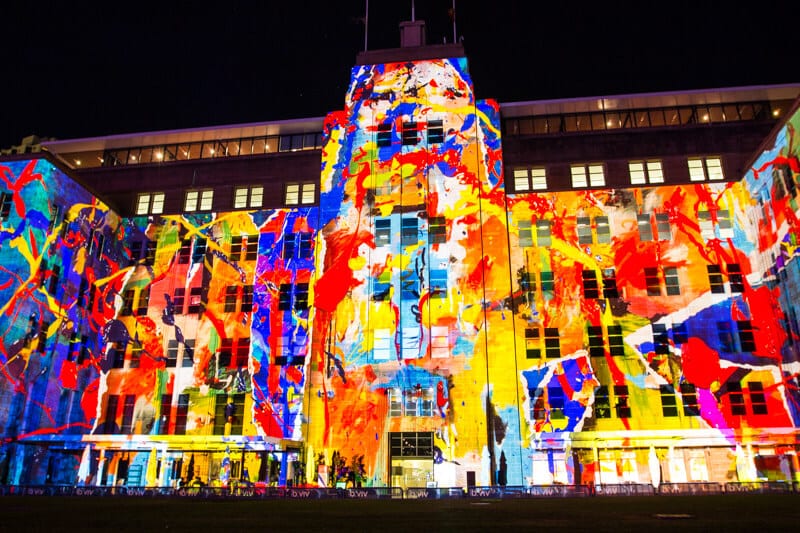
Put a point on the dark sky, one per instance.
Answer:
(71, 72)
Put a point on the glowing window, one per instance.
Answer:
(530, 179)
(702, 169)
(578, 173)
(440, 344)
(525, 233)
(543, 233)
(382, 344)
(248, 197)
(150, 203)
(300, 193)
(198, 200)
(643, 172)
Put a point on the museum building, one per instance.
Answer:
(421, 289)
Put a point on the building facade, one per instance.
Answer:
(421, 289)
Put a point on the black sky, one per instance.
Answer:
(71, 72)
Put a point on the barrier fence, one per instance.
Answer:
(531, 491)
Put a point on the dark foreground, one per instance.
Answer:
(723, 513)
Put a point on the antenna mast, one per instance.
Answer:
(366, 24)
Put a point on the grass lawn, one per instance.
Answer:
(724, 513)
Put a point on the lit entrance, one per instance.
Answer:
(411, 459)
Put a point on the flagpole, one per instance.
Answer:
(455, 39)
(366, 24)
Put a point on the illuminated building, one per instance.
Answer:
(447, 291)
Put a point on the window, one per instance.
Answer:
(178, 299)
(669, 404)
(622, 406)
(585, 234)
(185, 252)
(556, 399)
(150, 203)
(747, 341)
(238, 298)
(127, 303)
(6, 198)
(706, 225)
(410, 136)
(689, 397)
(702, 169)
(181, 414)
(590, 287)
(663, 228)
(384, 135)
(438, 283)
(246, 245)
(411, 444)
(660, 339)
(724, 224)
(680, 333)
(289, 292)
(530, 179)
(110, 423)
(198, 200)
(395, 399)
(739, 340)
(645, 227)
(552, 343)
(300, 193)
(602, 402)
(736, 398)
(587, 176)
(381, 345)
(234, 352)
(127, 414)
(715, 280)
(381, 286)
(543, 233)
(136, 355)
(408, 231)
(758, 400)
(166, 411)
(533, 345)
(248, 197)
(435, 132)
(525, 233)
(437, 230)
(616, 345)
(440, 342)
(643, 172)
(651, 281)
(383, 232)
(610, 283)
(195, 300)
(672, 281)
(735, 278)
(596, 347)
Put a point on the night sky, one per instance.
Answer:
(71, 72)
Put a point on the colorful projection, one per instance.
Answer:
(421, 327)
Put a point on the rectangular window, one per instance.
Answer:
(395, 400)
(178, 299)
(578, 173)
(724, 224)
(689, 398)
(597, 176)
(660, 339)
(384, 138)
(383, 232)
(231, 297)
(172, 353)
(736, 398)
(663, 227)
(437, 230)
(725, 336)
(590, 286)
(301, 297)
(408, 232)
(181, 414)
(435, 132)
(246, 246)
(702, 169)
(150, 203)
(440, 343)
(706, 225)
(596, 345)
(758, 400)
(110, 423)
(187, 359)
(136, 355)
(652, 281)
(195, 300)
(525, 233)
(438, 283)
(645, 225)
(198, 200)
(747, 340)
(602, 402)
(645, 172)
(300, 193)
(410, 136)
(680, 333)
(185, 252)
(584, 230)
(552, 343)
(555, 397)
(127, 414)
(381, 344)
(669, 404)
(530, 179)
(735, 278)
(610, 283)
(715, 280)
(381, 286)
(533, 345)
(285, 297)
(622, 406)
(603, 230)
(248, 197)
(672, 281)
(166, 412)
(538, 410)
(616, 345)
(306, 245)
(543, 233)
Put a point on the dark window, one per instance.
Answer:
(410, 136)
(301, 296)
(590, 287)
(602, 403)
(181, 414)
(538, 411)
(306, 245)
(533, 347)
(110, 424)
(758, 400)
(616, 345)
(715, 280)
(127, 414)
(285, 297)
(556, 399)
(178, 298)
(735, 277)
(660, 339)
(5, 204)
(408, 234)
(610, 283)
(411, 444)
(689, 397)
(195, 300)
(172, 353)
(289, 246)
(596, 347)
(437, 230)
(680, 333)
(166, 412)
(383, 232)
(552, 343)
(652, 282)
(747, 340)
(669, 404)
(623, 407)
(231, 297)
(143, 302)
(435, 131)
(384, 135)
(127, 303)
(736, 398)
(185, 252)
(725, 335)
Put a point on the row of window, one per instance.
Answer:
(651, 227)
(213, 149)
(228, 409)
(550, 401)
(638, 118)
(734, 337)
(593, 175)
(244, 197)
(409, 134)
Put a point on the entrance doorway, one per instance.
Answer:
(411, 459)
